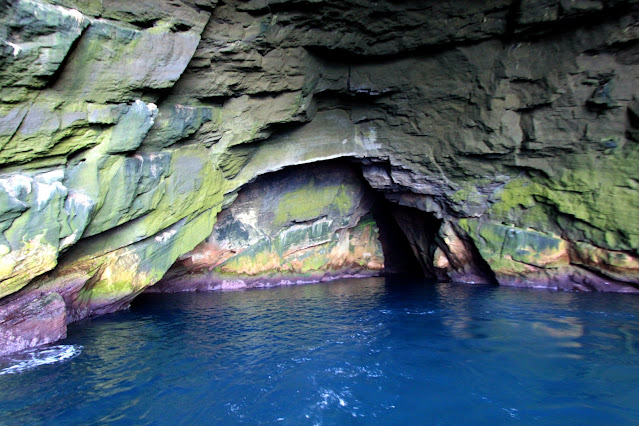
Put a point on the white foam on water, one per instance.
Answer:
(512, 412)
(42, 356)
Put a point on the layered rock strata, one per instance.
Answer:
(301, 225)
(502, 134)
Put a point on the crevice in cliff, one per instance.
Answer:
(352, 99)
(144, 24)
(420, 230)
(568, 21)
(399, 256)
(53, 79)
(514, 13)
(156, 96)
(351, 58)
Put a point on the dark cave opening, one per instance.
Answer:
(419, 229)
(399, 254)
(408, 236)
(411, 239)
(237, 246)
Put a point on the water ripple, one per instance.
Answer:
(352, 351)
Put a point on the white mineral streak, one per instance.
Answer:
(15, 184)
(37, 6)
(56, 175)
(69, 240)
(248, 217)
(79, 199)
(75, 14)
(165, 236)
(369, 139)
(139, 157)
(16, 47)
(45, 192)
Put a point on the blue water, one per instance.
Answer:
(383, 351)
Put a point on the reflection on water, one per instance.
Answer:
(365, 351)
(560, 327)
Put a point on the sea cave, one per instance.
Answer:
(319, 211)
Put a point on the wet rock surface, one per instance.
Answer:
(31, 321)
(501, 134)
(301, 225)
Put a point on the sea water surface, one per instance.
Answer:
(367, 351)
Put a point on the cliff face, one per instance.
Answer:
(503, 136)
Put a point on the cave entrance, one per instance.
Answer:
(307, 223)
(408, 238)
(401, 256)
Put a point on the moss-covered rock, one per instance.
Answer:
(35, 39)
(38, 221)
(618, 265)
(153, 58)
(125, 127)
(106, 281)
(512, 251)
(299, 225)
(592, 199)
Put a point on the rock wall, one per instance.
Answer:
(504, 132)
(305, 224)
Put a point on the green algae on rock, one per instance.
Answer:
(299, 225)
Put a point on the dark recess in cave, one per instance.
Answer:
(404, 232)
(420, 231)
(399, 258)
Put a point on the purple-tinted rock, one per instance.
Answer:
(32, 321)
